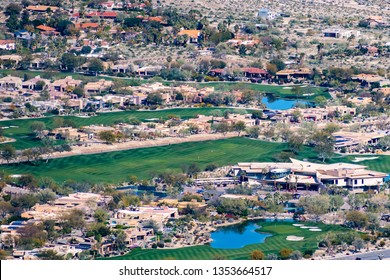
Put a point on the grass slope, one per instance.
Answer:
(25, 140)
(382, 163)
(273, 244)
(277, 91)
(114, 167)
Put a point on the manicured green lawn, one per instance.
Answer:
(21, 131)
(114, 167)
(277, 91)
(273, 244)
(382, 163)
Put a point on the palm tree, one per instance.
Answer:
(320, 46)
(287, 179)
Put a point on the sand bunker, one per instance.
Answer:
(312, 227)
(304, 227)
(315, 229)
(294, 238)
(287, 87)
(298, 225)
(359, 159)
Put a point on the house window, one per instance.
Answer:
(355, 182)
(337, 181)
(363, 181)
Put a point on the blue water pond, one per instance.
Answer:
(237, 236)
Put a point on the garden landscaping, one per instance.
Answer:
(280, 230)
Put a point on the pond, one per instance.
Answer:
(279, 103)
(237, 236)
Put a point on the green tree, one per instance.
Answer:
(324, 150)
(192, 169)
(242, 50)
(13, 23)
(107, 136)
(49, 255)
(211, 167)
(358, 243)
(384, 143)
(101, 215)
(95, 65)
(280, 65)
(13, 9)
(79, 91)
(315, 205)
(8, 152)
(335, 201)
(25, 201)
(29, 181)
(154, 98)
(239, 127)
(120, 240)
(73, 219)
(253, 132)
(37, 128)
(31, 236)
(356, 219)
(295, 143)
(70, 61)
(129, 200)
(222, 127)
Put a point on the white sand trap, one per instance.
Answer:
(304, 227)
(84, 117)
(287, 88)
(315, 229)
(298, 225)
(312, 227)
(359, 159)
(294, 238)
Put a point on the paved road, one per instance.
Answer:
(367, 256)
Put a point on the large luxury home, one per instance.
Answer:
(304, 174)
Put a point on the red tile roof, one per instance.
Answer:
(3, 42)
(45, 28)
(190, 33)
(109, 14)
(158, 19)
(253, 70)
(93, 14)
(217, 70)
(87, 25)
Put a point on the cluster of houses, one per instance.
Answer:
(133, 219)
